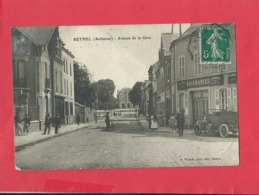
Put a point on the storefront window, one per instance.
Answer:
(223, 99)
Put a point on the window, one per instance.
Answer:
(61, 82)
(234, 96)
(56, 79)
(71, 108)
(65, 86)
(64, 64)
(197, 65)
(71, 93)
(70, 69)
(46, 70)
(222, 98)
(67, 108)
(19, 74)
(181, 67)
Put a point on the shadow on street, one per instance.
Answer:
(134, 128)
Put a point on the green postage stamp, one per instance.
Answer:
(214, 44)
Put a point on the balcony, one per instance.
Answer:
(47, 85)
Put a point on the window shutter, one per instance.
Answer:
(216, 99)
(229, 103)
(234, 96)
(177, 100)
(186, 103)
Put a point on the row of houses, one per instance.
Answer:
(43, 75)
(180, 81)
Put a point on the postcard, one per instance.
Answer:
(125, 96)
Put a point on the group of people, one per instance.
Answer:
(56, 122)
(22, 126)
(19, 128)
(176, 122)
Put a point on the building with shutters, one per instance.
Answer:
(201, 88)
(68, 86)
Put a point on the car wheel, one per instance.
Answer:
(223, 130)
(197, 130)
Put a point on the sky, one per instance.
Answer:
(125, 61)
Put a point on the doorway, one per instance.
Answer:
(200, 104)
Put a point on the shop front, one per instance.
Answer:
(197, 96)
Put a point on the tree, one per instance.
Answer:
(135, 93)
(104, 90)
(84, 92)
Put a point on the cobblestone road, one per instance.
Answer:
(128, 146)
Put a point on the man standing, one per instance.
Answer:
(180, 121)
(47, 123)
(78, 119)
(27, 123)
(57, 123)
(107, 121)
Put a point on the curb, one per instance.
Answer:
(21, 147)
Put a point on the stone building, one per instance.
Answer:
(123, 98)
(31, 72)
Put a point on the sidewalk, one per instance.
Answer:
(36, 136)
(144, 123)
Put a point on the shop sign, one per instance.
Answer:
(200, 82)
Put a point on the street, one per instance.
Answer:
(127, 145)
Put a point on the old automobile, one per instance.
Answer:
(220, 122)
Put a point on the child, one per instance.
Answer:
(172, 121)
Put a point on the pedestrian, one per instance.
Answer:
(27, 123)
(47, 123)
(172, 121)
(154, 125)
(107, 121)
(180, 121)
(78, 119)
(57, 123)
(17, 125)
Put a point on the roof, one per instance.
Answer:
(68, 52)
(194, 28)
(191, 29)
(38, 35)
(166, 40)
(123, 90)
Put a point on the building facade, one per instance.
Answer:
(123, 98)
(31, 72)
(68, 86)
(201, 88)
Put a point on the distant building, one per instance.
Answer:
(123, 98)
